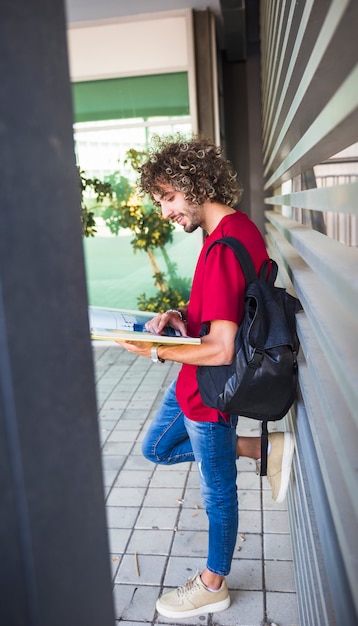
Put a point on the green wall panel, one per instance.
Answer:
(135, 96)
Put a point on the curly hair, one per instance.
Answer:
(193, 166)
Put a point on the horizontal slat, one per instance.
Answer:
(334, 129)
(307, 494)
(333, 17)
(335, 327)
(273, 71)
(335, 264)
(340, 496)
(341, 199)
(339, 419)
(318, 553)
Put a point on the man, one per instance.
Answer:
(195, 187)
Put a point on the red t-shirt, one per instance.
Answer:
(217, 293)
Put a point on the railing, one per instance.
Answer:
(310, 113)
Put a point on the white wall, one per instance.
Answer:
(131, 46)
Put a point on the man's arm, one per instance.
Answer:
(216, 348)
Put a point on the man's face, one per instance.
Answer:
(175, 208)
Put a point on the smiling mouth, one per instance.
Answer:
(178, 219)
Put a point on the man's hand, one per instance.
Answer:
(169, 318)
(141, 348)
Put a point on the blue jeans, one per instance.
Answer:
(173, 438)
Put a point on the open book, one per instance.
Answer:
(108, 324)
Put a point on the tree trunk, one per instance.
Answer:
(161, 284)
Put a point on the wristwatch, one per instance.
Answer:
(154, 354)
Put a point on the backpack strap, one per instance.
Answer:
(264, 446)
(269, 269)
(242, 256)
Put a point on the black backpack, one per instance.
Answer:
(261, 381)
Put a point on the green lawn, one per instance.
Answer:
(116, 276)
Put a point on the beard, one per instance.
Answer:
(194, 219)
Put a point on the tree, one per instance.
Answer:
(125, 209)
(102, 190)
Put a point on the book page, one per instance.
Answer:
(133, 335)
(110, 324)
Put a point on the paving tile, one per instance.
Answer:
(135, 602)
(117, 448)
(114, 562)
(193, 479)
(248, 480)
(163, 497)
(180, 568)
(191, 544)
(125, 425)
(203, 620)
(169, 479)
(129, 496)
(137, 449)
(121, 516)
(279, 576)
(135, 623)
(122, 436)
(282, 608)
(118, 539)
(112, 462)
(109, 476)
(249, 427)
(137, 462)
(150, 541)
(249, 521)
(246, 465)
(192, 498)
(173, 468)
(246, 609)
(115, 405)
(193, 519)
(276, 522)
(270, 504)
(246, 574)
(249, 548)
(130, 415)
(249, 500)
(107, 424)
(154, 518)
(141, 569)
(103, 436)
(133, 478)
(277, 547)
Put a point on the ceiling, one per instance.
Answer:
(231, 16)
(83, 10)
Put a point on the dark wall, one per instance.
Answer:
(242, 131)
(240, 89)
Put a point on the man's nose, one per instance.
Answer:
(166, 211)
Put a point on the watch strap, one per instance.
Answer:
(155, 356)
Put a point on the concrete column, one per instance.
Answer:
(54, 562)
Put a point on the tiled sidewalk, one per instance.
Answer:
(156, 522)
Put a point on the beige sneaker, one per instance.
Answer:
(193, 598)
(279, 463)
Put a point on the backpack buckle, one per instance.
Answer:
(256, 360)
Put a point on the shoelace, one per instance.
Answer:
(188, 587)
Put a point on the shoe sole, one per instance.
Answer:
(288, 450)
(208, 608)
